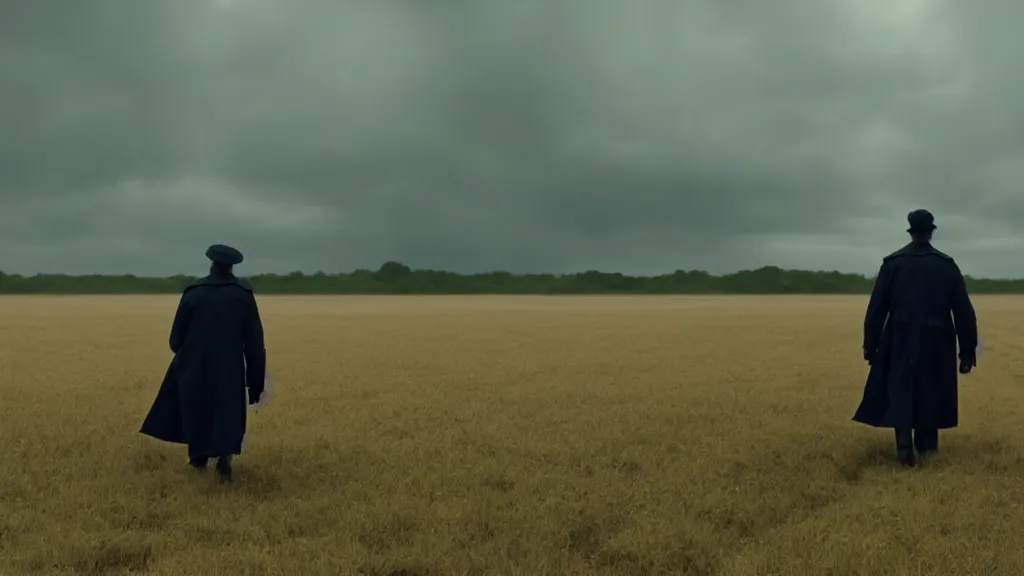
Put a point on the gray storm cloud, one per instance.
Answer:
(638, 136)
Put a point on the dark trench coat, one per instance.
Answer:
(217, 341)
(919, 309)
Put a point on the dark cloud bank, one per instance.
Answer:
(640, 136)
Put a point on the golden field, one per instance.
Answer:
(413, 436)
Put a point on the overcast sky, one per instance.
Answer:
(639, 136)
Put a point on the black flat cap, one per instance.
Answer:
(222, 254)
(921, 221)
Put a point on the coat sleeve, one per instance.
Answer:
(964, 317)
(878, 309)
(182, 319)
(255, 349)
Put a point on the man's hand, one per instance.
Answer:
(254, 397)
(869, 356)
(967, 364)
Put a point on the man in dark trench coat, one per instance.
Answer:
(217, 341)
(919, 309)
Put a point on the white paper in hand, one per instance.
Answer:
(977, 351)
(264, 399)
(265, 396)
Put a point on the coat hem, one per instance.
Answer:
(891, 426)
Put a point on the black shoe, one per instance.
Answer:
(199, 464)
(224, 472)
(908, 458)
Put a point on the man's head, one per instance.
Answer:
(922, 225)
(223, 258)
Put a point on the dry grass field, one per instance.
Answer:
(414, 436)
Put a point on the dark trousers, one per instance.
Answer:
(922, 439)
(203, 460)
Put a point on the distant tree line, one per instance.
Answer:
(397, 278)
